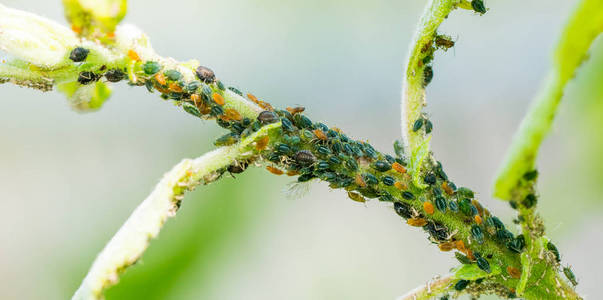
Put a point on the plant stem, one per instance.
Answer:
(431, 289)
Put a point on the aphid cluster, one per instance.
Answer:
(80, 54)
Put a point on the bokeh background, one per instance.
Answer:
(68, 181)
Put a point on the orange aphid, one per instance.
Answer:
(292, 173)
(428, 207)
(174, 87)
(461, 246)
(261, 143)
(359, 181)
(273, 170)
(447, 188)
(218, 98)
(232, 114)
(398, 167)
(447, 246)
(513, 272)
(320, 134)
(265, 105)
(400, 185)
(478, 219)
(296, 110)
(252, 98)
(417, 222)
(133, 55)
(160, 78)
(196, 99)
(470, 254)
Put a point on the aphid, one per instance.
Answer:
(320, 134)
(205, 74)
(382, 166)
(151, 67)
(283, 149)
(356, 197)
(218, 99)
(408, 195)
(460, 245)
(232, 114)
(267, 117)
(513, 272)
(235, 90)
(305, 177)
(478, 207)
(351, 164)
(386, 197)
(497, 223)
(87, 77)
(530, 175)
(417, 125)
(322, 165)
(216, 110)
(440, 203)
(437, 231)
(515, 245)
(220, 85)
(447, 246)
(416, 222)
(427, 75)
(336, 146)
(477, 219)
(477, 234)
(436, 192)
(465, 207)
(529, 201)
(360, 181)
(428, 126)
(370, 179)
(252, 98)
(302, 121)
(478, 6)
(304, 157)
(388, 180)
(403, 210)
(428, 207)
(462, 258)
(175, 87)
(398, 148)
(323, 150)
(296, 110)
(430, 179)
(273, 170)
(453, 206)
(465, 192)
(78, 54)
(570, 276)
(401, 185)
(483, 264)
(334, 160)
(399, 168)
(191, 109)
(172, 75)
(292, 173)
(444, 42)
(237, 168)
(553, 249)
(292, 140)
(227, 139)
(287, 125)
(115, 75)
(160, 78)
(332, 133)
(133, 55)
(461, 284)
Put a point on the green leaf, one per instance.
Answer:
(473, 272)
(583, 27)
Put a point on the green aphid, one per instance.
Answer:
(427, 75)
(334, 160)
(192, 86)
(477, 234)
(417, 125)
(191, 109)
(220, 85)
(529, 201)
(465, 192)
(530, 175)
(351, 164)
(302, 121)
(235, 90)
(206, 90)
(408, 195)
(478, 6)
(570, 276)
(386, 197)
(453, 206)
(388, 180)
(322, 165)
(398, 148)
(428, 126)
(172, 75)
(461, 284)
(305, 177)
(483, 264)
(227, 139)
(216, 111)
(328, 176)
(382, 166)
(323, 150)
(370, 179)
(465, 207)
(283, 149)
(307, 134)
(440, 203)
(462, 258)
(292, 140)
(554, 250)
(151, 67)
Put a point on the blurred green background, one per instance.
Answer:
(68, 181)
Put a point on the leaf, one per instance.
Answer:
(473, 272)
(583, 27)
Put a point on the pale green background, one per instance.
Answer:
(69, 180)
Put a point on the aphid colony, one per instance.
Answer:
(312, 150)
(80, 54)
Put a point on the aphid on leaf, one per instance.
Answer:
(172, 75)
(399, 168)
(191, 109)
(460, 245)
(428, 207)
(440, 203)
(461, 285)
(115, 75)
(133, 55)
(304, 157)
(570, 276)
(232, 114)
(79, 54)
(218, 99)
(408, 195)
(478, 6)
(175, 87)
(513, 272)
(237, 167)
(447, 246)
(273, 170)
(401, 185)
(428, 126)
(227, 139)
(388, 180)
(417, 125)
(529, 201)
(220, 85)
(430, 179)
(320, 134)
(267, 117)
(531, 175)
(453, 206)
(462, 258)
(160, 78)
(382, 166)
(205, 74)
(403, 210)
(427, 75)
(477, 234)
(477, 219)
(444, 42)
(87, 77)
(151, 67)
(360, 181)
(370, 179)
(235, 90)
(483, 264)
(554, 250)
